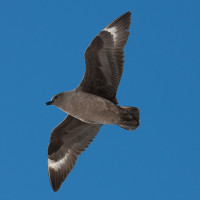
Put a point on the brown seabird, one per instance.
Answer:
(93, 103)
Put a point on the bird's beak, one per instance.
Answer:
(49, 103)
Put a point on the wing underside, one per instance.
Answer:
(105, 59)
(67, 141)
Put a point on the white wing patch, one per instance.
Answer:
(113, 31)
(57, 165)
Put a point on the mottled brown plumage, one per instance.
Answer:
(92, 103)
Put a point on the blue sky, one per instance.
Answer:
(42, 53)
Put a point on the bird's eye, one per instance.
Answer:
(55, 97)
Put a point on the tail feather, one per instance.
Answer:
(130, 117)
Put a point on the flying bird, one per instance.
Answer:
(93, 103)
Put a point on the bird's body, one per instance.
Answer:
(94, 109)
(93, 103)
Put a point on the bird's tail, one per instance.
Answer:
(130, 117)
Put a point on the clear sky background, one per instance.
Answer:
(42, 46)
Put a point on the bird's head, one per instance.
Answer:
(56, 100)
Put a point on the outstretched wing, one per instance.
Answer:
(67, 141)
(105, 59)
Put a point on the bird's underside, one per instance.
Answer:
(104, 60)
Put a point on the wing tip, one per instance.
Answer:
(128, 13)
(54, 180)
(124, 20)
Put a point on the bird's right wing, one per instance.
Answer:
(67, 141)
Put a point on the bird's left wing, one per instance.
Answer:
(67, 141)
(104, 59)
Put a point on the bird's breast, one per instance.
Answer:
(92, 109)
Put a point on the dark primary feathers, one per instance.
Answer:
(105, 59)
(104, 67)
(67, 141)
